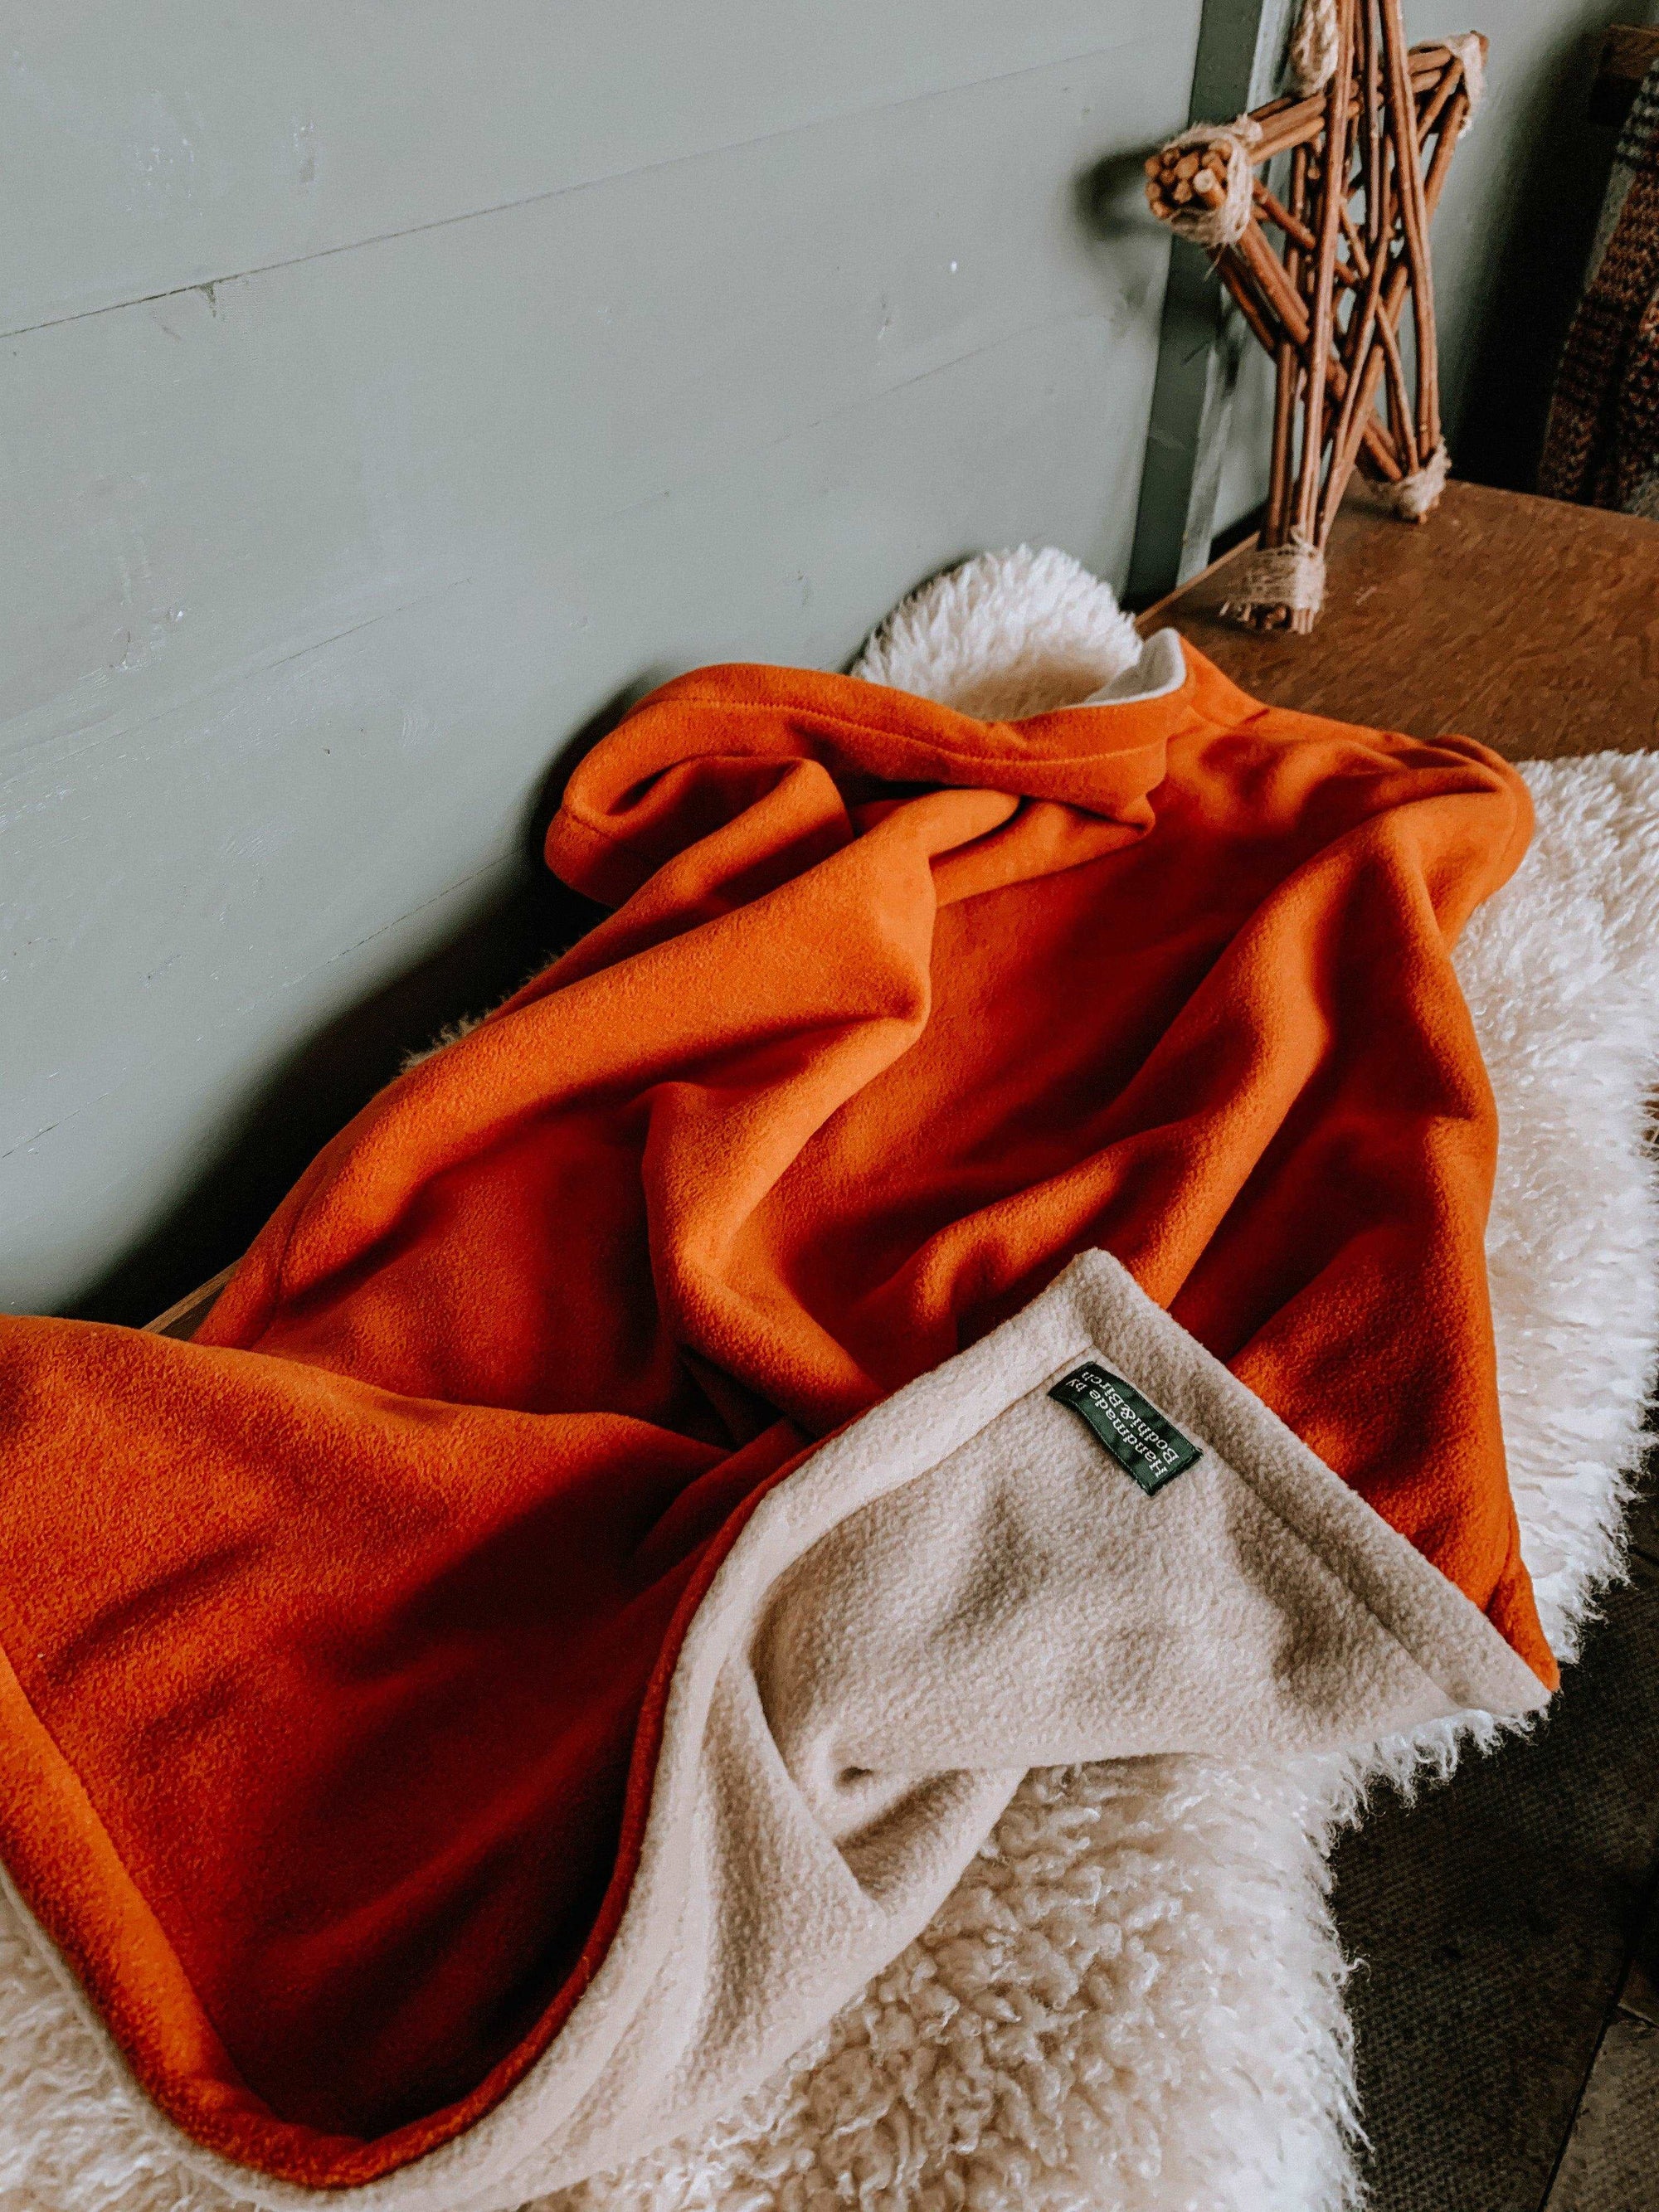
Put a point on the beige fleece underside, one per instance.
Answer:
(963, 1585)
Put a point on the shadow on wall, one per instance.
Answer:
(1561, 168)
(316, 1092)
(320, 1088)
(311, 1098)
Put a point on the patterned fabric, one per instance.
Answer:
(1602, 444)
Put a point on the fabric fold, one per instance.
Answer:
(351, 1645)
(963, 1585)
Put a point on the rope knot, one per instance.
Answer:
(1470, 49)
(1415, 497)
(1312, 57)
(1290, 577)
(1200, 183)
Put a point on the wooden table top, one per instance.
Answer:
(1531, 625)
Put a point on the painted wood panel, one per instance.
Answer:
(1203, 341)
(324, 565)
(149, 147)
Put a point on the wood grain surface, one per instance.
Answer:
(1529, 624)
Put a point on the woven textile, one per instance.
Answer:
(1602, 445)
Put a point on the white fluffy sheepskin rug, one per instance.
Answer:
(1133, 2003)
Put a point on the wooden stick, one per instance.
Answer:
(1334, 184)
(1401, 418)
(1278, 291)
(1281, 218)
(1400, 407)
(1395, 301)
(1360, 335)
(1373, 157)
(1361, 259)
(1289, 123)
(1400, 423)
(1273, 210)
(1426, 60)
(1286, 391)
(1429, 114)
(1355, 338)
(1402, 115)
(1281, 314)
(1381, 452)
(1269, 336)
(1287, 362)
(1457, 114)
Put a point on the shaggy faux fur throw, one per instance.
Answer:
(1060, 2033)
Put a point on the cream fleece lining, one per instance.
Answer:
(1159, 669)
(962, 1585)
(1132, 1997)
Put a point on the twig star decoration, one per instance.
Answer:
(1364, 140)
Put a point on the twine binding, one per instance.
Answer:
(1224, 224)
(1290, 576)
(1415, 497)
(1471, 51)
(1312, 59)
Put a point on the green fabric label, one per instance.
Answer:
(1144, 1445)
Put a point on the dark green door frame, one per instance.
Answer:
(1241, 51)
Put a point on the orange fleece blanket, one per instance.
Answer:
(332, 1645)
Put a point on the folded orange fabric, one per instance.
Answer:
(332, 1641)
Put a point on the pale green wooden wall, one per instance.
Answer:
(387, 388)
